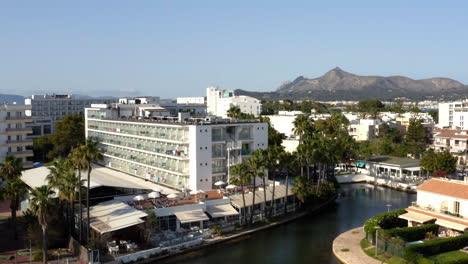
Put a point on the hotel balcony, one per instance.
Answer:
(17, 119)
(432, 210)
(17, 131)
(18, 143)
(21, 154)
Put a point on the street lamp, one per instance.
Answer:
(388, 207)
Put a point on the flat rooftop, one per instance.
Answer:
(399, 161)
(176, 121)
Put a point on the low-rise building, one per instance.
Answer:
(13, 133)
(443, 202)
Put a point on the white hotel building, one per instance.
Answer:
(174, 152)
(453, 114)
(219, 101)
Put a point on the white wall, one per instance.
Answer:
(435, 200)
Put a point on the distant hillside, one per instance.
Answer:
(337, 84)
(11, 98)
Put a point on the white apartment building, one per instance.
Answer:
(13, 133)
(191, 100)
(443, 202)
(55, 107)
(453, 114)
(453, 140)
(175, 152)
(219, 101)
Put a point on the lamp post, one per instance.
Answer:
(376, 239)
(388, 207)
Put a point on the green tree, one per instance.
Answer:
(370, 108)
(11, 168)
(79, 162)
(302, 126)
(435, 115)
(301, 188)
(274, 165)
(439, 161)
(42, 205)
(234, 112)
(256, 164)
(15, 191)
(240, 178)
(91, 154)
(42, 146)
(274, 137)
(416, 137)
(287, 161)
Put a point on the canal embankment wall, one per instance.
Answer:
(357, 178)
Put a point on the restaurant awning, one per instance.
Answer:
(221, 210)
(420, 218)
(190, 216)
(111, 216)
(451, 225)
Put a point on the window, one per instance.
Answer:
(47, 129)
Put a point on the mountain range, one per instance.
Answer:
(338, 84)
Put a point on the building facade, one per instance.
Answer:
(453, 114)
(219, 101)
(13, 131)
(55, 107)
(179, 153)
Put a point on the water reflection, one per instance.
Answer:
(309, 239)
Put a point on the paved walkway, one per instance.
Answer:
(354, 255)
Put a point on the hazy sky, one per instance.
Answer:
(178, 48)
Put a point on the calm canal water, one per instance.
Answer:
(309, 239)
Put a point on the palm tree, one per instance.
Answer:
(240, 178)
(42, 204)
(287, 161)
(301, 188)
(257, 167)
(91, 153)
(11, 168)
(273, 154)
(302, 126)
(77, 157)
(234, 112)
(15, 191)
(62, 177)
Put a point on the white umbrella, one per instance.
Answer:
(219, 183)
(154, 195)
(197, 192)
(157, 190)
(231, 186)
(138, 198)
(173, 195)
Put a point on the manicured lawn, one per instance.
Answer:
(365, 243)
(386, 257)
(448, 256)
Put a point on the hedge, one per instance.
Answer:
(434, 247)
(385, 221)
(409, 234)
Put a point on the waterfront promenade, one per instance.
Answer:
(347, 248)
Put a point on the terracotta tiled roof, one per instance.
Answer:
(450, 133)
(445, 187)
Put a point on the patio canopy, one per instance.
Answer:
(451, 225)
(112, 215)
(221, 210)
(415, 217)
(190, 216)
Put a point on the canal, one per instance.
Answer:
(309, 239)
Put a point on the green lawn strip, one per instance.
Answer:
(448, 257)
(365, 244)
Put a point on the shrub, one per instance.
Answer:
(409, 234)
(385, 221)
(434, 247)
(218, 230)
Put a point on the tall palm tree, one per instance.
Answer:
(301, 188)
(287, 161)
(240, 177)
(63, 178)
(15, 191)
(256, 163)
(273, 154)
(42, 205)
(11, 168)
(77, 157)
(91, 154)
(302, 126)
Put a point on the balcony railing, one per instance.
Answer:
(432, 209)
(18, 118)
(18, 130)
(25, 141)
(21, 153)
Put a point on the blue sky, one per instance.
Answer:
(178, 48)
